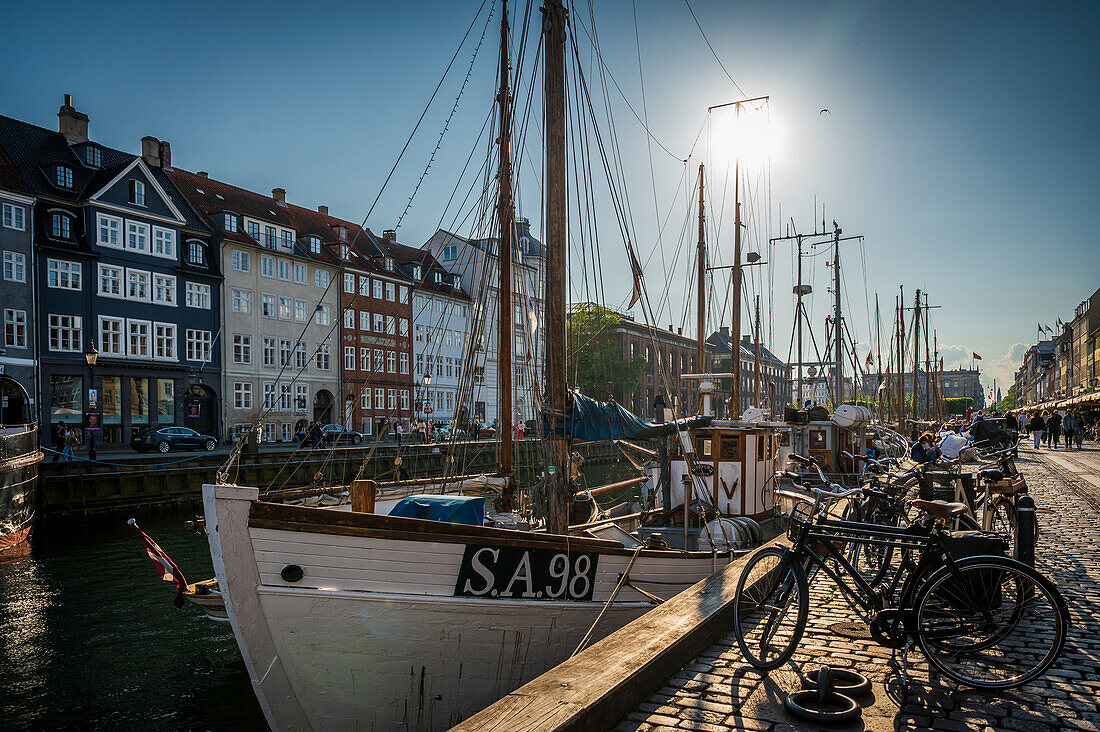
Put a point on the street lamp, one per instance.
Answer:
(91, 356)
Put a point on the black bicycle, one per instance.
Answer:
(981, 619)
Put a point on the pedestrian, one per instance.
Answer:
(58, 440)
(1079, 435)
(1010, 422)
(1054, 427)
(315, 433)
(1069, 424)
(925, 451)
(300, 435)
(71, 441)
(399, 430)
(1038, 427)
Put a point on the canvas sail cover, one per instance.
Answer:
(592, 420)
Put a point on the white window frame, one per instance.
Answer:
(301, 311)
(364, 359)
(364, 320)
(197, 295)
(349, 319)
(378, 289)
(241, 301)
(105, 223)
(324, 357)
(162, 243)
(137, 274)
(164, 333)
(324, 315)
(15, 320)
(114, 342)
(301, 273)
(137, 236)
(404, 363)
(241, 261)
(391, 291)
(270, 360)
(242, 395)
(200, 345)
(136, 192)
(349, 358)
(349, 283)
(15, 217)
(59, 270)
(167, 283)
(16, 263)
(285, 304)
(321, 278)
(72, 326)
(284, 266)
(301, 393)
(267, 266)
(230, 225)
(266, 299)
(379, 323)
(131, 324)
(241, 349)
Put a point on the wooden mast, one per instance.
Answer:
(878, 356)
(553, 31)
(506, 226)
(901, 359)
(916, 358)
(735, 330)
(756, 358)
(838, 331)
(927, 365)
(701, 293)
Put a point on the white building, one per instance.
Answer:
(477, 262)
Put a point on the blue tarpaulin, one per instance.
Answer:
(592, 420)
(449, 509)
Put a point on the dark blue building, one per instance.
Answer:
(128, 305)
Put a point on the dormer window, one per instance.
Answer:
(345, 252)
(288, 239)
(342, 233)
(64, 176)
(60, 226)
(231, 222)
(93, 156)
(416, 272)
(388, 263)
(137, 192)
(196, 253)
(315, 245)
(450, 253)
(456, 281)
(439, 278)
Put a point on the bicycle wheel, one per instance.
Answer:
(872, 561)
(1003, 522)
(770, 606)
(991, 622)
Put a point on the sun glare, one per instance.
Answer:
(748, 135)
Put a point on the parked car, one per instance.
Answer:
(336, 433)
(164, 439)
(486, 431)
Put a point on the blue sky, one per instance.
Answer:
(961, 139)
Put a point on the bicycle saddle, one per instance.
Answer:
(939, 509)
(992, 475)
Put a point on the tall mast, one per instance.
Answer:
(901, 359)
(557, 215)
(878, 352)
(916, 358)
(701, 293)
(927, 365)
(735, 330)
(798, 317)
(506, 224)
(837, 330)
(756, 358)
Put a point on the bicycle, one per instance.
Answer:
(983, 620)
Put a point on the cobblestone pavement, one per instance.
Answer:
(719, 692)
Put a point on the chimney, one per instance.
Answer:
(725, 331)
(279, 194)
(323, 210)
(71, 123)
(165, 154)
(746, 339)
(202, 174)
(390, 235)
(679, 331)
(150, 150)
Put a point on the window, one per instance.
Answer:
(137, 236)
(379, 323)
(269, 351)
(137, 284)
(242, 348)
(450, 253)
(15, 217)
(404, 398)
(364, 320)
(269, 395)
(416, 272)
(60, 226)
(378, 289)
(405, 363)
(197, 295)
(419, 330)
(61, 274)
(438, 278)
(284, 351)
(300, 273)
(364, 399)
(349, 319)
(164, 289)
(388, 262)
(267, 266)
(242, 261)
(324, 315)
(231, 226)
(301, 396)
(300, 355)
(349, 283)
(391, 324)
(268, 306)
(108, 231)
(300, 311)
(349, 358)
(324, 358)
(479, 375)
(269, 237)
(199, 343)
(110, 336)
(164, 242)
(364, 285)
(139, 338)
(404, 295)
(364, 359)
(379, 360)
(284, 308)
(379, 398)
(63, 176)
(253, 230)
(242, 394)
(137, 192)
(65, 333)
(420, 363)
(196, 252)
(15, 328)
(284, 270)
(164, 341)
(391, 291)
(391, 399)
(288, 239)
(314, 245)
(321, 278)
(242, 301)
(15, 266)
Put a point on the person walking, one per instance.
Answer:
(58, 440)
(70, 442)
(1069, 425)
(1054, 428)
(399, 430)
(1080, 433)
(1037, 426)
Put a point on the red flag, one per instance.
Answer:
(976, 356)
(163, 563)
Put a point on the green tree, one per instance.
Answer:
(957, 405)
(596, 363)
(1009, 401)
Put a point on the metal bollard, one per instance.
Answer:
(1026, 529)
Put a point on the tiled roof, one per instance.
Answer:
(10, 179)
(721, 341)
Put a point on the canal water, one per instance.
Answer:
(89, 637)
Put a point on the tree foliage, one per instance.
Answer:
(1009, 401)
(957, 405)
(596, 363)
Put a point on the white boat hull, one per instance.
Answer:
(376, 633)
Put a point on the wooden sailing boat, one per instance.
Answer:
(350, 620)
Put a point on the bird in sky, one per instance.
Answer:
(824, 111)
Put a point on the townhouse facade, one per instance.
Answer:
(477, 262)
(280, 326)
(127, 292)
(18, 357)
(774, 378)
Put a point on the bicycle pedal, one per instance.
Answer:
(885, 630)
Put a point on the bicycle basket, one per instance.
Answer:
(977, 591)
(802, 515)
